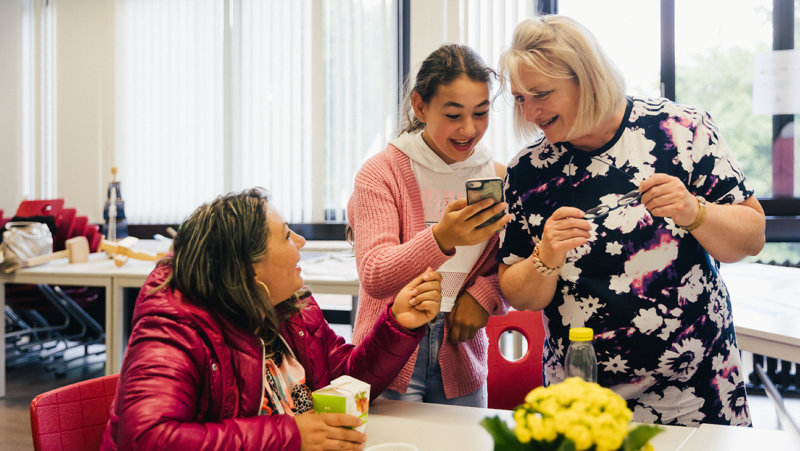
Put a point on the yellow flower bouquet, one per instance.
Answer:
(574, 415)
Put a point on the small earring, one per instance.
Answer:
(264, 286)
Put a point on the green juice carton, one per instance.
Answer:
(345, 394)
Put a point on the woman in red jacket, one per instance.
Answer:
(225, 348)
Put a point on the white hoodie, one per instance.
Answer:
(439, 185)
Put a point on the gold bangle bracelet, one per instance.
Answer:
(702, 211)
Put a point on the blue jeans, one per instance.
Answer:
(426, 381)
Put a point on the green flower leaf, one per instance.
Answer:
(504, 437)
(639, 436)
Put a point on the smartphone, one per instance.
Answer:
(485, 188)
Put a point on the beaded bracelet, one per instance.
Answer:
(540, 266)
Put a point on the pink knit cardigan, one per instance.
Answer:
(392, 246)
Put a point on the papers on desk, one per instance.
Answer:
(329, 266)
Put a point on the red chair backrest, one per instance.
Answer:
(64, 222)
(73, 417)
(94, 237)
(508, 382)
(41, 207)
(80, 226)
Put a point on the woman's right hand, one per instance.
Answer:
(563, 231)
(329, 431)
(459, 224)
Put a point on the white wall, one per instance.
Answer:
(433, 23)
(85, 41)
(10, 106)
(84, 99)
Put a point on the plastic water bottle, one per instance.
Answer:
(581, 360)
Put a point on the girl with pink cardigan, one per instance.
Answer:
(408, 213)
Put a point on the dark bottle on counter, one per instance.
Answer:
(116, 225)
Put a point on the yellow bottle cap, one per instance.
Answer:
(581, 334)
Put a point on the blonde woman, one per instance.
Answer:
(620, 206)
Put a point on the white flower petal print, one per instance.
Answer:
(572, 313)
(676, 405)
(615, 365)
(681, 361)
(625, 218)
(620, 283)
(734, 400)
(648, 320)
(670, 326)
(643, 414)
(693, 284)
(513, 258)
(614, 248)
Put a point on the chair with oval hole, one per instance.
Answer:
(72, 417)
(510, 380)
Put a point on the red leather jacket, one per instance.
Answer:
(192, 380)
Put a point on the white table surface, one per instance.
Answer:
(439, 427)
(710, 437)
(766, 308)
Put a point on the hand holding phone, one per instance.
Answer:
(485, 188)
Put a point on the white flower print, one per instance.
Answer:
(676, 230)
(512, 258)
(598, 168)
(676, 405)
(620, 283)
(572, 312)
(681, 362)
(624, 218)
(544, 158)
(734, 400)
(670, 326)
(614, 248)
(643, 414)
(717, 310)
(642, 264)
(570, 272)
(535, 219)
(615, 364)
(648, 320)
(693, 285)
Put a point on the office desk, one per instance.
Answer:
(766, 308)
(100, 271)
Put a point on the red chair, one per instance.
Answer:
(73, 418)
(41, 207)
(3, 221)
(80, 226)
(64, 224)
(509, 381)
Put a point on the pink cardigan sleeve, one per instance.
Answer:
(392, 245)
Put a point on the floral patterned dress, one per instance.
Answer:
(661, 314)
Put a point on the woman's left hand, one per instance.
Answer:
(666, 196)
(419, 301)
